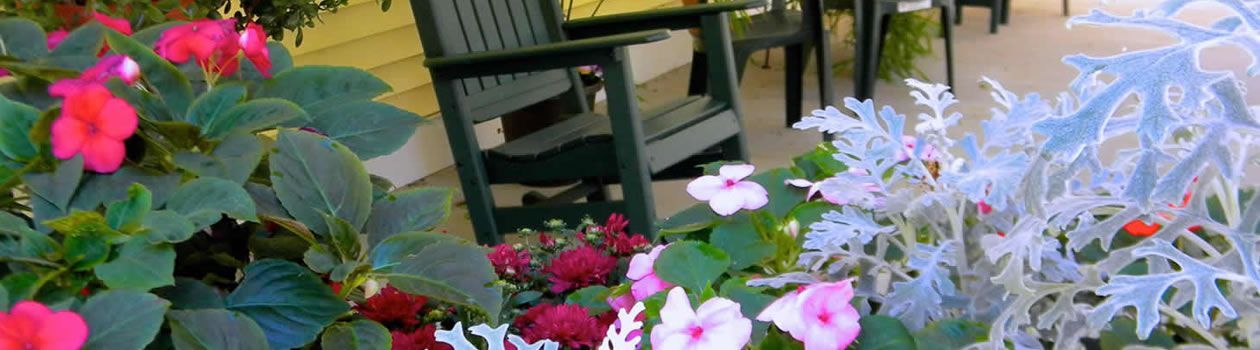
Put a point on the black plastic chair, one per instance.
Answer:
(871, 19)
(798, 32)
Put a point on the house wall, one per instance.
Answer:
(387, 44)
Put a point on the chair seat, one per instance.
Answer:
(770, 29)
(671, 133)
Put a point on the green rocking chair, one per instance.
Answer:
(491, 57)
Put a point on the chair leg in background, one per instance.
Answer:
(948, 31)
(794, 71)
(699, 80)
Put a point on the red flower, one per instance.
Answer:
(420, 339)
(546, 241)
(94, 123)
(570, 325)
(616, 223)
(32, 326)
(984, 208)
(1139, 228)
(622, 245)
(212, 43)
(510, 263)
(253, 41)
(579, 267)
(120, 24)
(393, 308)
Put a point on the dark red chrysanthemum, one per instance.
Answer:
(579, 267)
(546, 241)
(393, 308)
(615, 223)
(420, 339)
(570, 325)
(509, 263)
(624, 245)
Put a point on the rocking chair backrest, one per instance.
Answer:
(450, 27)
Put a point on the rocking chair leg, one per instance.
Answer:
(794, 80)
(636, 179)
(948, 32)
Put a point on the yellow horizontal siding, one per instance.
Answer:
(387, 44)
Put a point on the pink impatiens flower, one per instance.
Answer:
(727, 193)
(112, 66)
(213, 44)
(818, 315)
(56, 37)
(928, 153)
(253, 42)
(717, 324)
(641, 271)
(94, 123)
(32, 326)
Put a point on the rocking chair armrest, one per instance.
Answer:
(564, 54)
(673, 18)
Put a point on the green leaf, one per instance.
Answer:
(693, 219)
(884, 333)
(252, 116)
(348, 270)
(139, 266)
(416, 209)
(16, 122)
(120, 319)
(593, 298)
(450, 272)
(214, 104)
(19, 285)
(281, 60)
(782, 197)
(739, 239)
(98, 189)
(81, 223)
(810, 212)
(167, 226)
(23, 38)
(58, 186)
(371, 129)
(148, 105)
(691, 264)
(319, 259)
(149, 35)
(214, 330)
(776, 340)
(345, 239)
(4, 299)
(265, 200)
(191, 294)
(84, 41)
(1123, 332)
(316, 87)
(288, 301)
(234, 159)
(128, 215)
(313, 175)
(751, 302)
(174, 88)
(393, 250)
(357, 335)
(951, 334)
(84, 252)
(203, 200)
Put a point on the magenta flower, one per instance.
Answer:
(621, 302)
(56, 37)
(111, 66)
(32, 326)
(910, 142)
(642, 272)
(717, 324)
(253, 42)
(213, 44)
(727, 193)
(818, 315)
(94, 123)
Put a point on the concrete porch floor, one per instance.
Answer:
(1025, 56)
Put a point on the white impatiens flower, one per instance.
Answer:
(727, 192)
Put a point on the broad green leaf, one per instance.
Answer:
(81, 223)
(357, 335)
(776, 340)
(739, 239)
(84, 252)
(417, 209)
(35, 245)
(234, 159)
(345, 239)
(58, 186)
(176, 91)
(149, 35)
(692, 265)
(289, 302)
(1123, 332)
(810, 212)
(203, 200)
(884, 333)
(593, 298)
(695, 218)
(265, 200)
(212, 329)
(22, 38)
(782, 197)
(121, 319)
(98, 189)
(751, 302)
(139, 266)
(281, 60)
(167, 226)
(16, 122)
(371, 129)
(319, 259)
(282, 246)
(450, 272)
(951, 334)
(348, 271)
(313, 175)
(392, 250)
(19, 285)
(148, 105)
(4, 299)
(315, 87)
(87, 40)
(127, 215)
(191, 294)
(214, 104)
(255, 115)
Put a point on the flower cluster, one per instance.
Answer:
(568, 324)
(568, 259)
(31, 325)
(216, 46)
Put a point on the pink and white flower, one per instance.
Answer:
(727, 193)
(818, 315)
(928, 154)
(642, 272)
(717, 324)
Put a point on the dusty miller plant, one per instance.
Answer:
(1051, 264)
